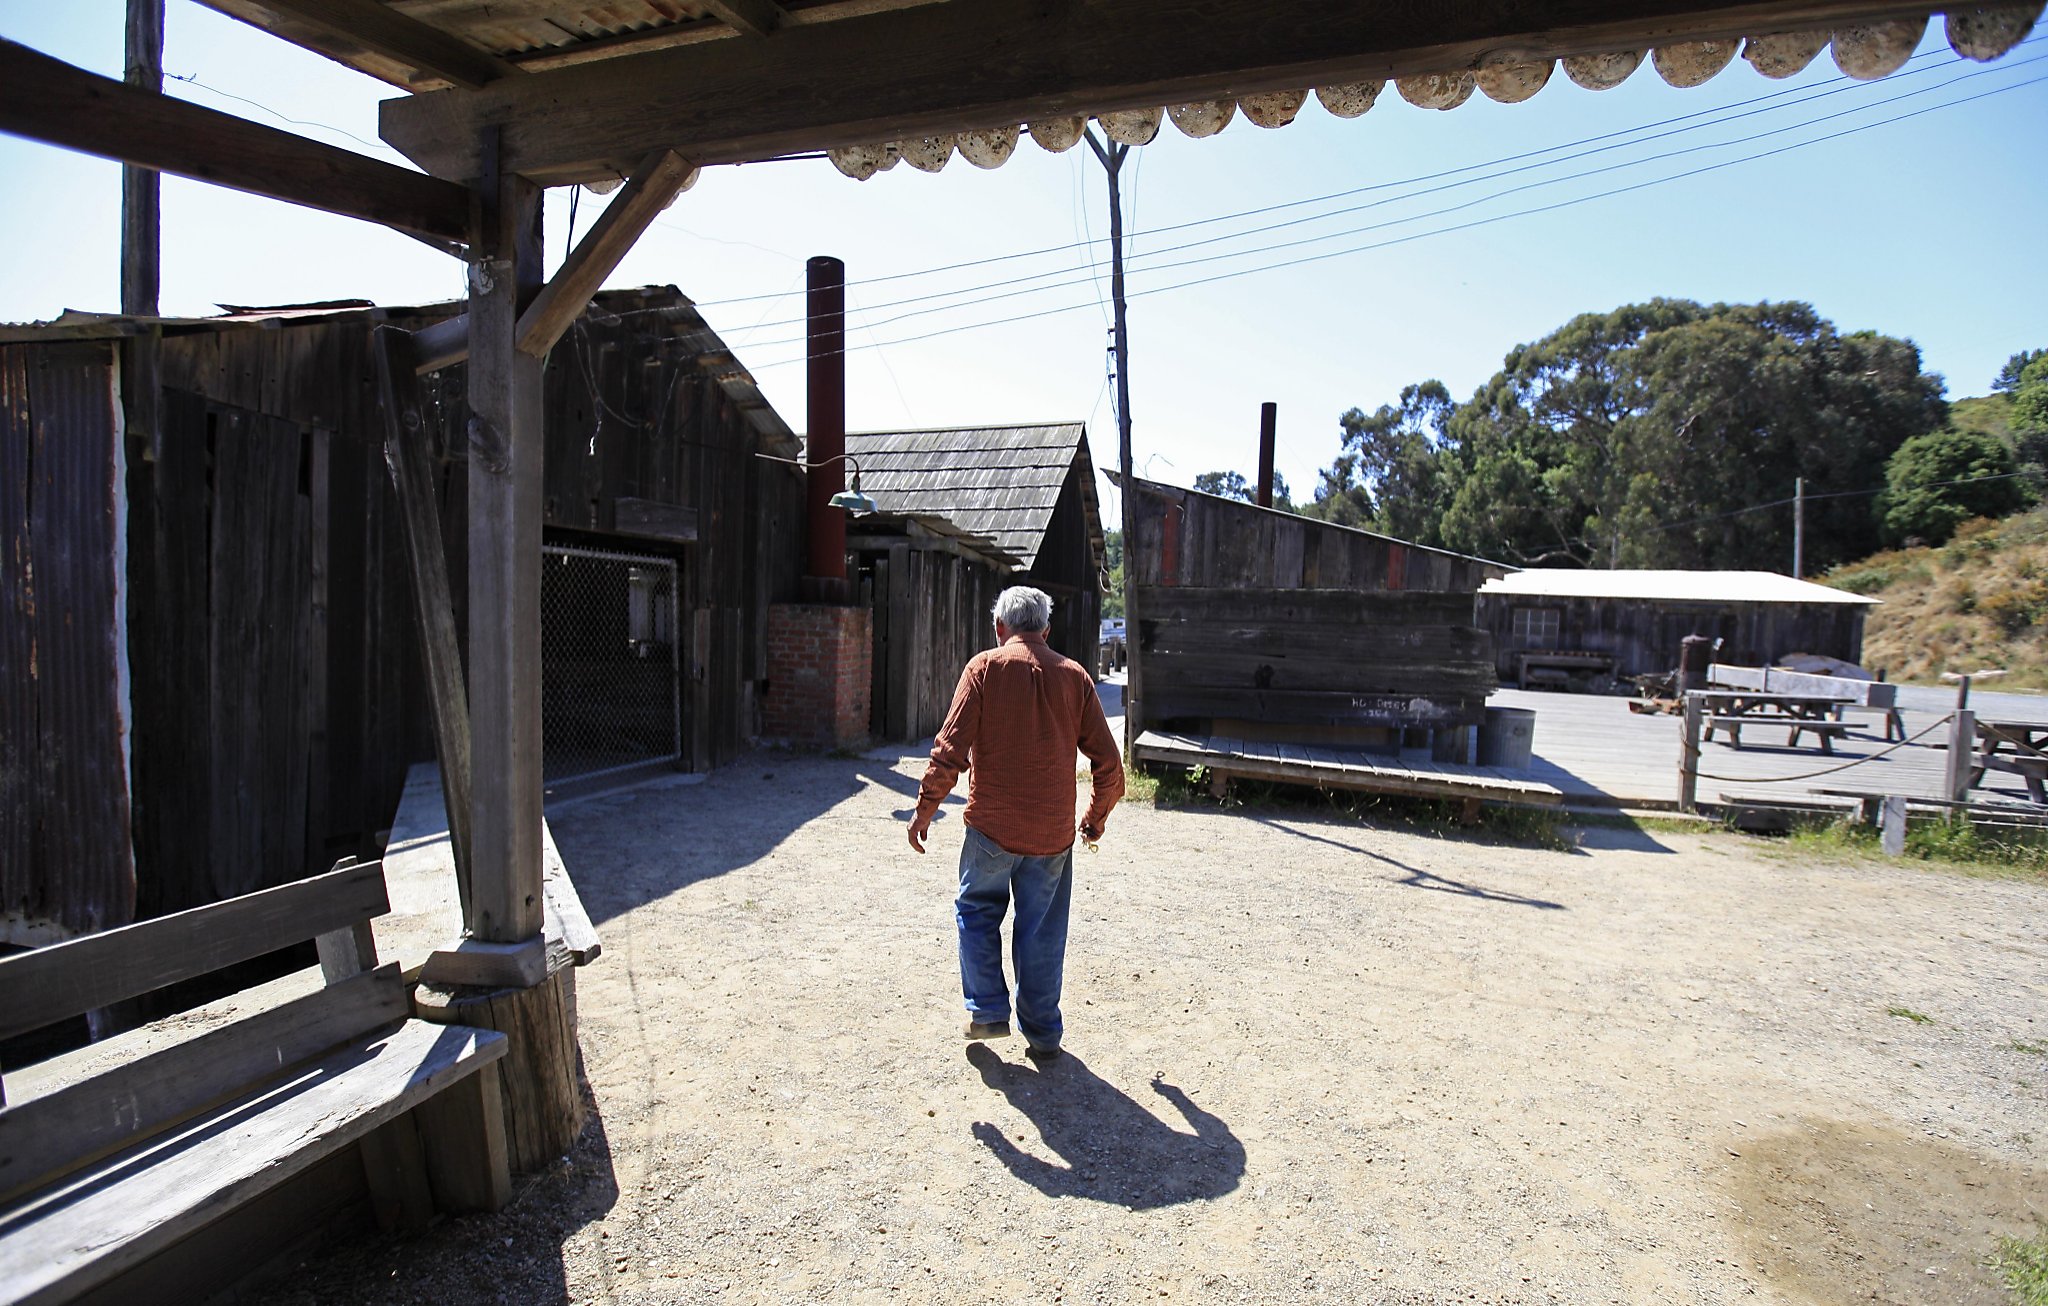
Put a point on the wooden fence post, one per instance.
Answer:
(1962, 751)
(1892, 825)
(1689, 756)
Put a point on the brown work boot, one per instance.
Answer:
(993, 1029)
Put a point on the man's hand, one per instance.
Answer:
(1090, 833)
(920, 826)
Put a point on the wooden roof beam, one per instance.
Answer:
(952, 67)
(375, 28)
(47, 100)
(754, 17)
(595, 257)
(653, 184)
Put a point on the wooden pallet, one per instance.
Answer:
(1342, 768)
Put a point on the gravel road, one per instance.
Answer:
(1311, 1061)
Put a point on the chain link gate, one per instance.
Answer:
(610, 666)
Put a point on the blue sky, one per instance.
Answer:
(1927, 227)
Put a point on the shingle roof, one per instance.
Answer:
(998, 481)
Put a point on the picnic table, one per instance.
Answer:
(1816, 714)
(2019, 747)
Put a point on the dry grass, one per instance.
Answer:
(1979, 601)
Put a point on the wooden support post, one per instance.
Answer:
(142, 243)
(1689, 756)
(535, 1087)
(419, 514)
(1962, 755)
(1892, 825)
(654, 183)
(505, 453)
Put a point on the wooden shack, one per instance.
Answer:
(1561, 626)
(215, 632)
(1272, 646)
(965, 513)
(929, 586)
(1263, 623)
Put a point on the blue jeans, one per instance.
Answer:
(1044, 889)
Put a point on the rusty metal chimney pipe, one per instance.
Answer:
(1269, 421)
(825, 417)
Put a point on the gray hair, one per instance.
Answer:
(1022, 608)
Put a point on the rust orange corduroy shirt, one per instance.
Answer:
(1020, 712)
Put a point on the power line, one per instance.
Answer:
(190, 80)
(1450, 229)
(1832, 494)
(1024, 290)
(1796, 95)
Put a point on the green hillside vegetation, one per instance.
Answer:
(1980, 600)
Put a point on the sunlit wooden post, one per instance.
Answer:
(1689, 755)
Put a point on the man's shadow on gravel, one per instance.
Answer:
(1115, 1150)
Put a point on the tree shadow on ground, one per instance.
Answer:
(1114, 1149)
(1416, 877)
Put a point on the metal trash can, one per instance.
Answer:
(1508, 737)
(1695, 655)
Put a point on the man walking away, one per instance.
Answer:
(1018, 716)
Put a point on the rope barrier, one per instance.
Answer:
(1695, 750)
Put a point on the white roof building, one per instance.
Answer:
(1673, 586)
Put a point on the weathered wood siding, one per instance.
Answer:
(277, 689)
(277, 693)
(931, 614)
(643, 436)
(65, 864)
(1068, 569)
(1322, 657)
(1252, 615)
(1184, 537)
(1643, 635)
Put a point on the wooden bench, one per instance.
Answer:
(2033, 770)
(1795, 726)
(1560, 667)
(102, 1170)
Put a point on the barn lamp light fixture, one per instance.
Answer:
(851, 500)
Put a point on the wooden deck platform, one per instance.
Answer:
(1344, 768)
(1600, 754)
(1593, 752)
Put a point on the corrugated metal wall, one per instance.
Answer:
(65, 864)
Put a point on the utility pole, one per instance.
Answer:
(1799, 528)
(1112, 155)
(141, 237)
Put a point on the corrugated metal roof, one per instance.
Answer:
(1684, 586)
(996, 481)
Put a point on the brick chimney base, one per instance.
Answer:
(819, 666)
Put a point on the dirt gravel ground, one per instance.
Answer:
(1310, 1061)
